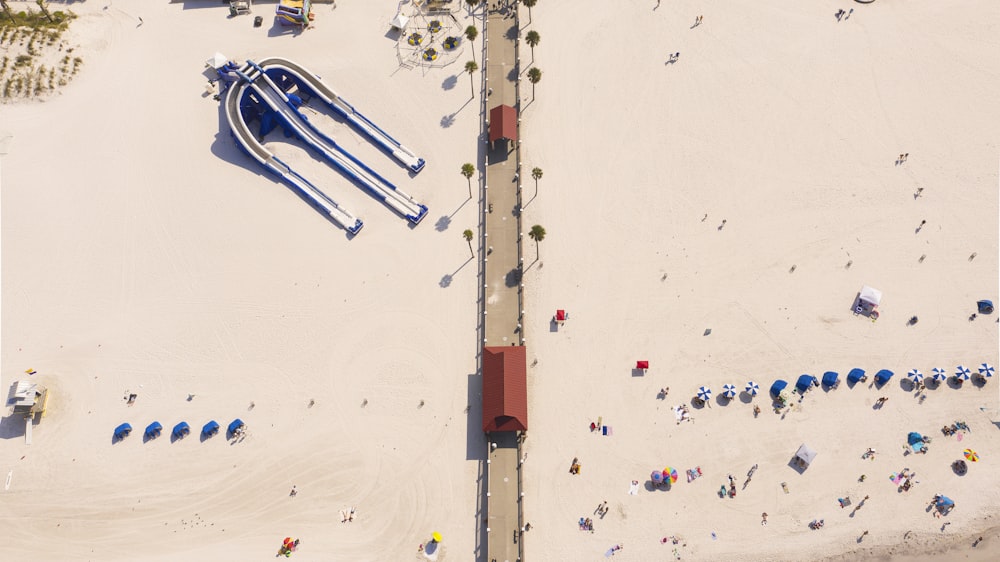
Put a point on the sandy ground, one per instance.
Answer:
(786, 124)
(142, 252)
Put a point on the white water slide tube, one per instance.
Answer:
(348, 111)
(249, 143)
(296, 123)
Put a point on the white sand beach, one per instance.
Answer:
(143, 253)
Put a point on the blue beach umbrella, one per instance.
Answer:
(704, 393)
(986, 370)
(752, 388)
(939, 374)
(962, 373)
(729, 390)
(915, 375)
(656, 477)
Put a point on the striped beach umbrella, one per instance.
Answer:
(915, 375)
(752, 388)
(939, 374)
(704, 393)
(986, 370)
(971, 455)
(670, 475)
(729, 390)
(962, 373)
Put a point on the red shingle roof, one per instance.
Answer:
(505, 389)
(503, 123)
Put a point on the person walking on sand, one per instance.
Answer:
(763, 519)
(294, 492)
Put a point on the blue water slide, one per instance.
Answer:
(236, 97)
(307, 79)
(296, 123)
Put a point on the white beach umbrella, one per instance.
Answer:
(962, 373)
(986, 370)
(915, 375)
(939, 374)
(729, 390)
(752, 388)
(704, 393)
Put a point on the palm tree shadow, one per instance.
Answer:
(447, 278)
(442, 223)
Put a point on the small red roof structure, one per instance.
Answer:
(505, 389)
(503, 123)
(642, 365)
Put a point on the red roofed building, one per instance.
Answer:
(503, 123)
(505, 389)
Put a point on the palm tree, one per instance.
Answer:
(537, 233)
(536, 173)
(468, 238)
(472, 4)
(534, 76)
(532, 39)
(471, 33)
(529, 4)
(468, 170)
(471, 67)
(6, 8)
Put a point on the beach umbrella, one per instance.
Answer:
(986, 370)
(939, 374)
(882, 377)
(830, 378)
(804, 383)
(971, 455)
(436, 536)
(777, 387)
(288, 541)
(915, 375)
(962, 373)
(704, 394)
(656, 477)
(855, 376)
(729, 390)
(752, 388)
(670, 474)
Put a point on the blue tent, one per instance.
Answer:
(985, 307)
(210, 429)
(236, 424)
(777, 387)
(804, 382)
(181, 429)
(122, 431)
(914, 437)
(944, 502)
(855, 375)
(830, 378)
(153, 430)
(883, 377)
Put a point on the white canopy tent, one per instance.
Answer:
(870, 295)
(399, 22)
(804, 456)
(217, 61)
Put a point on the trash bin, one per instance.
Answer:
(257, 21)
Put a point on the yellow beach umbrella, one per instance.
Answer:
(971, 455)
(436, 536)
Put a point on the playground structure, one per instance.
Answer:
(428, 38)
(272, 92)
(294, 13)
